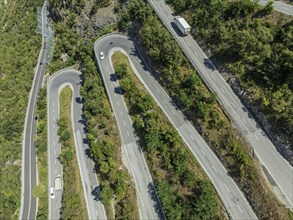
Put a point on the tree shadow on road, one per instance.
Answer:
(96, 193)
(154, 197)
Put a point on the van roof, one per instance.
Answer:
(183, 22)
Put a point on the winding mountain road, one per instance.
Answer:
(89, 180)
(279, 172)
(148, 202)
(233, 199)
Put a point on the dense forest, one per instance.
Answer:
(254, 44)
(188, 91)
(19, 50)
(177, 175)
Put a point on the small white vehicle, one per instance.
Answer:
(102, 55)
(58, 183)
(52, 193)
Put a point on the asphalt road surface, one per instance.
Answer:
(277, 169)
(233, 199)
(280, 7)
(89, 180)
(148, 202)
(28, 207)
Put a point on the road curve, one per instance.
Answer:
(29, 178)
(277, 169)
(232, 198)
(90, 184)
(148, 202)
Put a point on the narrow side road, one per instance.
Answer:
(28, 207)
(90, 184)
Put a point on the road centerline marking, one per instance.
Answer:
(214, 169)
(223, 90)
(239, 208)
(227, 187)
(233, 105)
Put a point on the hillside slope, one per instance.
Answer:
(19, 49)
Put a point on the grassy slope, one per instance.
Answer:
(73, 196)
(19, 49)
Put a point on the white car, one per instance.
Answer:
(102, 55)
(52, 193)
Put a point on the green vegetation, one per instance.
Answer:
(41, 144)
(19, 50)
(101, 126)
(118, 192)
(256, 46)
(178, 177)
(73, 201)
(186, 88)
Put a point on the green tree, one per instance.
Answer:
(107, 194)
(269, 7)
(66, 156)
(121, 70)
(206, 203)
